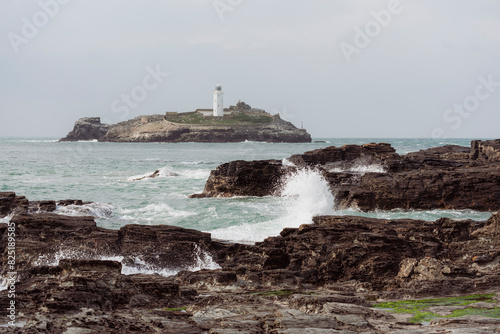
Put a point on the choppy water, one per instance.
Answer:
(103, 173)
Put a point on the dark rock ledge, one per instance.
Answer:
(448, 177)
(318, 278)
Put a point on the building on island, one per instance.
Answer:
(218, 109)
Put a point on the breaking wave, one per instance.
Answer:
(130, 266)
(359, 169)
(304, 194)
(98, 210)
(154, 212)
(6, 219)
(168, 171)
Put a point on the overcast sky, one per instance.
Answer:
(345, 68)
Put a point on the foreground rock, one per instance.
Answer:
(319, 278)
(374, 176)
(156, 128)
(10, 203)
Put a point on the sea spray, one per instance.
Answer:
(359, 169)
(97, 210)
(130, 265)
(153, 212)
(304, 194)
(169, 171)
(6, 219)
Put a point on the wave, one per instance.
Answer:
(153, 212)
(130, 265)
(426, 215)
(6, 219)
(168, 171)
(287, 163)
(198, 163)
(87, 141)
(162, 172)
(359, 169)
(305, 194)
(38, 141)
(98, 210)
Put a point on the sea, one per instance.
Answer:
(108, 175)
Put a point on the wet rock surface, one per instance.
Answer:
(318, 278)
(374, 176)
(241, 178)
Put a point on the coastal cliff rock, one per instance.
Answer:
(88, 128)
(319, 277)
(157, 128)
(374, 176)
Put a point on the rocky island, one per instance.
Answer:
(240, 123)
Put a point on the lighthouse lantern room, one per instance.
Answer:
(218, 105)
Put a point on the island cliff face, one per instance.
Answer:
(88, 128)
(157, 128)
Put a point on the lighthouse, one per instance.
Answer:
(218, 105)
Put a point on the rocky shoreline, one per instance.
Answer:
(320, 278)
(156, 128)
(374, 177)
(329, 276)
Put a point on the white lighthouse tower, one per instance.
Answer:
(218, 105)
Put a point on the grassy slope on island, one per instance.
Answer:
(240, 119)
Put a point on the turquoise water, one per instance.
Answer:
(103, 173)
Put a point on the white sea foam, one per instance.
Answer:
(202, 260)
(3, 283)
(162, 172)
(98, 210)
(305, 194)
(6, 219)
(168, 171)
(38, 141)
(196, 174)
(153, 212)
(359, 169)
(288, 163)
(197, 163)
